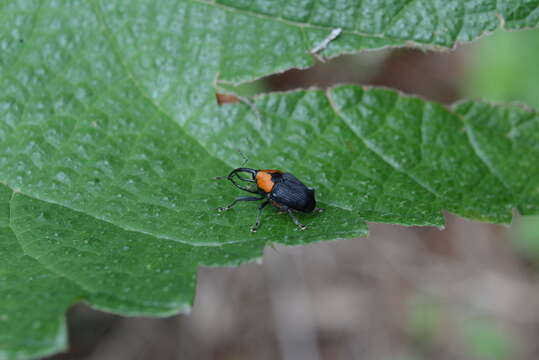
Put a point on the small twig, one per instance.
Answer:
(324, 43)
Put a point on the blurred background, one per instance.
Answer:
(470, 291)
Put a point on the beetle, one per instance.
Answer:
(280, 189)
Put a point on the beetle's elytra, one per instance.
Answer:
(280, 189)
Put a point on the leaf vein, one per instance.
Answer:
(374, 150)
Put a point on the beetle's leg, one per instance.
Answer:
(241, 198)
(244, 179)
(242, 187)
(257, 223)
(296, 221)
(245, 189)
(231, 179)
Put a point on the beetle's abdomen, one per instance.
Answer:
(294, 194)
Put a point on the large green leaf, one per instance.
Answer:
(110, 137)
(504, 68)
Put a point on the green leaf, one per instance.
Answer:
(504, 68)
(481, 336)
(486, 339)
(525, 238)
(110, 139)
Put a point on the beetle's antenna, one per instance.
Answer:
(245, 159)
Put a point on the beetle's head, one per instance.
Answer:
(247, 175)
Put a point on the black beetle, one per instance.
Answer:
(280, 189)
